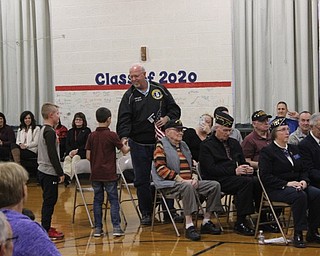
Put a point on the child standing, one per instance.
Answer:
(50, 171)
(102, 156)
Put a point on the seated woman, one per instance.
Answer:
(193, 137)
(75, 145)
(7, 137)
(285, 181)
(26, 146)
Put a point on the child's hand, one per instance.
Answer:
(61, 179)
(124, 141)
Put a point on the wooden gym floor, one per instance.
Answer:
(138, 240)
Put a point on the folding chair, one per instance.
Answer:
(124, 163)
(83, 167)
(161, 195)
(266, 202)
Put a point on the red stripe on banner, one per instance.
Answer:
(126, 86)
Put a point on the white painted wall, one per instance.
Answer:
(93, 36)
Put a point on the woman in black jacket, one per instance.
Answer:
(75, 145)
(285, 181)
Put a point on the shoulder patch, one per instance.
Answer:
(156, 94)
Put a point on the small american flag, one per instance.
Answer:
(159, 133)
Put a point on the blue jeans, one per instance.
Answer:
(111, 188)
(142, 156)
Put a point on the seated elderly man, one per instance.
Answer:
(257, 139)
(221, 159)
(172, 172)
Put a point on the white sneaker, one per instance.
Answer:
(118, 232)
(98, 232)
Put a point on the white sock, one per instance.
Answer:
(205, 221)
(189, 225)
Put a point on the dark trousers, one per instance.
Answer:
(300, 202)
(49, 185)
(142, 156)
(5, 153)
(246, 190)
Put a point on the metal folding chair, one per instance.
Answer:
(83, 167)
(124, 163)
(266, 202)
(161, 195)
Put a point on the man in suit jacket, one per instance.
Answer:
(310, 151)
(221, 159)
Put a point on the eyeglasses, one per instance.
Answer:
(136, 76)
(177, 129)
(284, 129)
(78, 119)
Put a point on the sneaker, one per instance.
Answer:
(210, 228)
(192, 234)
(98, 232)
(146, 220)
(67, 180)
(118, 232)
(54, 234)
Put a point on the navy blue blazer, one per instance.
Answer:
(310, 154)
(276, 169)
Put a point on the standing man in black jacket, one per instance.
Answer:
(144, 109)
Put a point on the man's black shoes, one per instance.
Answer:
(210, 228)
(313, 237)
(298, 240)
(192, 234)
(242, 229)
(146, 220)
(176, 217)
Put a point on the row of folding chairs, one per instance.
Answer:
(124, 163)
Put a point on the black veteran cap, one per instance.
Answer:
(224, 119)
(219, 109)
(260, 115)
(175, 123)
(278, 121)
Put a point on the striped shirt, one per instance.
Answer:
(161, 164)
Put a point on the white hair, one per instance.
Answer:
(4, 228)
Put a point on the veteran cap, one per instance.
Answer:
(224, 119)
(219, 109)
(175, 123)
(278, 121)
(260, 115)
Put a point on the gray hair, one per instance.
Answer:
(314, 118)
(4, 228)
(13, 178)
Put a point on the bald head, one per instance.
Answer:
(138, 76)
